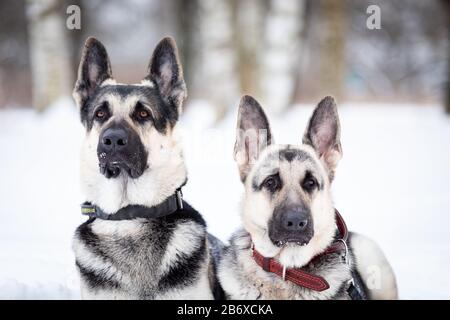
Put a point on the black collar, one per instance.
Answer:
(169, 206)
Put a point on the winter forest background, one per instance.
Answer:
(283, 52)
(392, 87)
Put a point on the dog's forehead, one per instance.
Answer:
(287, 158)
(127, 92)
(279, 154)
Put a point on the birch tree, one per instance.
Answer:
(281, 54)
(250, 44)
(216, 70)
(332, 58)
(51, 70)
(447, 84)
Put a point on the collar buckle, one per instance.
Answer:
(179, 195)
(88, 209)
(346, 254)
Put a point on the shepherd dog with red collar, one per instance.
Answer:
(294, 244)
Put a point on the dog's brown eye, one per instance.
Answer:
(100, 114)
(309, 184)
(272, 183)
(143, 114)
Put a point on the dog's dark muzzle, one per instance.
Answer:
(291, 224)
(120, 149)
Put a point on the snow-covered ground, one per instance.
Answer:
(392, 185)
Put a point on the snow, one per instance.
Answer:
(391, 185)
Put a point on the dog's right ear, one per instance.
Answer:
(253, 134)
(165, 69)
(323, 134)
(93, 70)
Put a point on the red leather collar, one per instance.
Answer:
(297, 275)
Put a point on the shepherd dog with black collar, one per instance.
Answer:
(294, 244)
(142, 240)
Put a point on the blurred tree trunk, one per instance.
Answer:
(51, 70)
(249, 21)
(216, 64)
(281, 52)
(447, 85)
(14, 57)
(332, 59)
(186, 13)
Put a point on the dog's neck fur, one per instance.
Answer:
(243, 278)
(148, 190)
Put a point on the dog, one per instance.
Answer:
(142, 240)
(293, 244)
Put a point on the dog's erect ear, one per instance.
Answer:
(93, 70)
(166, 72)
(323, 134)
(252, 134)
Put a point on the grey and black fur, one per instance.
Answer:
(288, 214)
(132, 155)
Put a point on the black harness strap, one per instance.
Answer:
(356, 290)
(169, 206)
(354, 293)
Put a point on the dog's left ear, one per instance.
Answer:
(323, 134)
(166, 72)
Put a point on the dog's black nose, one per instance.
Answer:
(294, 221)
(291, 223)
(114, 139)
